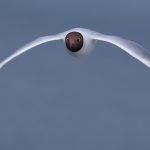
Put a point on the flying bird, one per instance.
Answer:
(80, 42)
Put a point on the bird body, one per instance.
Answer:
(80, 42)
(88, 43)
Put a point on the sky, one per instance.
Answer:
(50, 100)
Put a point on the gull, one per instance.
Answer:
(80, 42)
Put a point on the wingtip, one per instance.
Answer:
(1, 66)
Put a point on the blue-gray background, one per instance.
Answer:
(51, 101)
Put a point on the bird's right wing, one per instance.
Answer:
(30, 45)
(132, 48)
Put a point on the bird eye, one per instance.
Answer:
(78, 39)
(67, 39)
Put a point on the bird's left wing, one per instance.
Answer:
(30, 45)
(132, 48)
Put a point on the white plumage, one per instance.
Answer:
(90, 38)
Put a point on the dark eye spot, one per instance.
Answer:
(78, 39)
(67, 39)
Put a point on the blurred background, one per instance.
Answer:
(51, 101)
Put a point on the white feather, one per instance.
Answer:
(90, 37)
(132, 48)
(30, 45)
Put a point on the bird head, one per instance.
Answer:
(78, 43)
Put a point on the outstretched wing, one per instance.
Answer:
(132, 48)
(30, 45)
